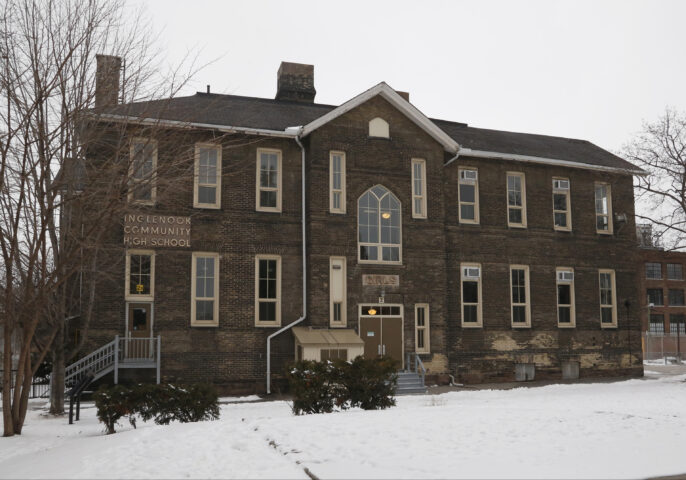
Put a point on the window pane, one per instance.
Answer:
(515, 215)
(420, 317)
(268, 199)
(267, 311)
(602, 223)
(470, 292)
(674, 271)
(519, 314)
(654, 270)
(657, 323)
(207, 194)
(337, 312)
(676, 323)
(470, 314)
(676, 297)
(204, 310)
(420, 339)
(467, 212)
(564, 294)
(560, 201)
(467, 193)
(368, 252)
(655, 296)
(564, 314)
(606, 314)
(560, 219)
(391, 254)
(601, 199)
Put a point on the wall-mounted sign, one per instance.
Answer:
(156, 231)
(380, 280)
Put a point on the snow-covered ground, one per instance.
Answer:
(629, 429)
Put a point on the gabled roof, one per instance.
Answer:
(264, 116)
(386, 92)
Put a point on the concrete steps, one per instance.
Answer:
(409, 383)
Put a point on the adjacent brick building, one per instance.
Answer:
(486, 253)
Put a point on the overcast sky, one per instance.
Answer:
(584, 69)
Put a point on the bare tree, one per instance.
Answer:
(47, 127)
(660, 150)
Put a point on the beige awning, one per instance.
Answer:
(326, 336)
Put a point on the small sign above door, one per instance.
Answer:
(380, 280)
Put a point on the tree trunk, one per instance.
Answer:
(57, 376)
(8, 424)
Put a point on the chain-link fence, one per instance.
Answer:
(665, 347)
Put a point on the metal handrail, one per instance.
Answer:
(419, 367)
(96, 361)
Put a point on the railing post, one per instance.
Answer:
(159, 356)
(116, 359)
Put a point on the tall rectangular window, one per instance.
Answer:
(418, 188)
(519, 296)
(337, 182)
(142, 171)
(657, 323)
(267, 290)
(654, 271)
(675, 271)
(337, 294)
(140, 275)
(566, 316)
(471, 294)
(421, 328)
(205, 289)
(608, 298)
(655, 297)
(268, 180)
(516, 199)
(468, 195)
(208, 174)
(676, 323)
(676, 297)
(603, 208)
(562, 213)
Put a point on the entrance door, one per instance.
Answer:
(139, 332)
(370, 331)
(382, 334)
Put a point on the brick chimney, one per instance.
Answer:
(107, 81)
(295, 82)
(405, 95)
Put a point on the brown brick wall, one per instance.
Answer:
(234, 352)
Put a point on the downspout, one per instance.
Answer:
(457, 154)
(304, 311)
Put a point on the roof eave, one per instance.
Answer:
(468, 152)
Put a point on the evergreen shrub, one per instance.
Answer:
(323, 387)
(162, 403)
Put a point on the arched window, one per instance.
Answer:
(378, 127)
(378, 223)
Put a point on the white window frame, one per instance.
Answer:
(196, 177)
(476, 196)
(127, 282)
(572, 298)
(338, 297)
(153, 176)
(332, 190)
(522, 178)
(527, 292)
(568, 194)
(608, 189)
(421, 163)
(479, 316)
(277, 322)
(425, 328)
(379, 128)
(259, 188)
(378, 244)
(613, 283)
(194, 297)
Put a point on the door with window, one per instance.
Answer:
(138, 345)
(381, 330)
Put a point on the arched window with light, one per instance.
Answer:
(379, 226)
